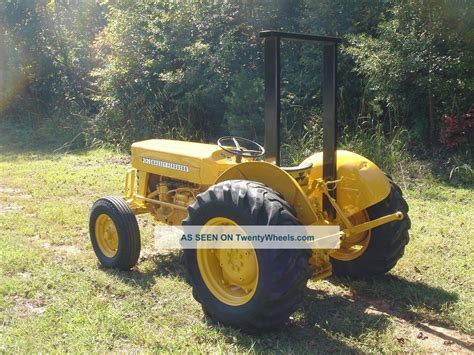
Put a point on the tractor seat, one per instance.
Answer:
(297, 169)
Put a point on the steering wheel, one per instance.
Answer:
(240, 147)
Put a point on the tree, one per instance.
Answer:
(420, 65)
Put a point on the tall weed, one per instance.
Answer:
(386, 149)
(298, 146)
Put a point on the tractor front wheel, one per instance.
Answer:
(114, 233)
(254, 290)
(376, 251)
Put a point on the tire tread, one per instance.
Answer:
(264, 206)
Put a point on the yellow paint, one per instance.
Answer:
(231, 275)
(362, 183)
(320, 264)
(106, 235)
(356, 243)
(130, 179)
(397, 216)
(278, 180)
(203, 162)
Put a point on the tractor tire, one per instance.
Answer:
(281, 275)
(114, 233)
(387, 242)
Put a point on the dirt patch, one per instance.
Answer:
(69, 249)
(24, 275)
(8, 194)
(434, 339)
(11, 207)
(430, 338)
(16, 193)
(63, 250)
(120, 161)
(125, 161)
(9, 190)
(25, 307)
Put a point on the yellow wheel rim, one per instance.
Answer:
(106, 235)
(231, 275)
(354, 246)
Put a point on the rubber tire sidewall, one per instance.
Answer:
(252, 317)
(127, 229)
(201, 291)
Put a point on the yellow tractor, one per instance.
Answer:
(237, 182)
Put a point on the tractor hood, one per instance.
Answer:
(198, 163)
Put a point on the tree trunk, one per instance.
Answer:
(431, 116)
(3, 59)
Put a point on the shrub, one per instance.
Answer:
(458, 131)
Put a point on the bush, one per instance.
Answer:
(458, 132)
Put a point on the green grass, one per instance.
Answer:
(55, 297)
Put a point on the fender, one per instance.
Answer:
(277, 179)
(362, 184)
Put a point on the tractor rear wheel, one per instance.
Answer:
(376, 251)
(267, 285)
(114, 233)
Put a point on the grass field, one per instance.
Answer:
(55, 297)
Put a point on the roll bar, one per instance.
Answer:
(272, 41)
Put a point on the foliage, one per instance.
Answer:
(47, 60)
(244, 112)
(117, 71)
(299, 147)
(457, 132)
(463, 173)
(419, 65)
(155, 75)
(387, 150)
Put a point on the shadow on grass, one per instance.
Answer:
(13, 152)
(316, 328)
(406, 300)
(307, 333)
(159, 265)
(397, 296)
(323, 319)
(14, 144)
(319, 326)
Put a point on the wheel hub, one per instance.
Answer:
(106, 235)
(231, 275)
(238, 267)
(355, 245)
